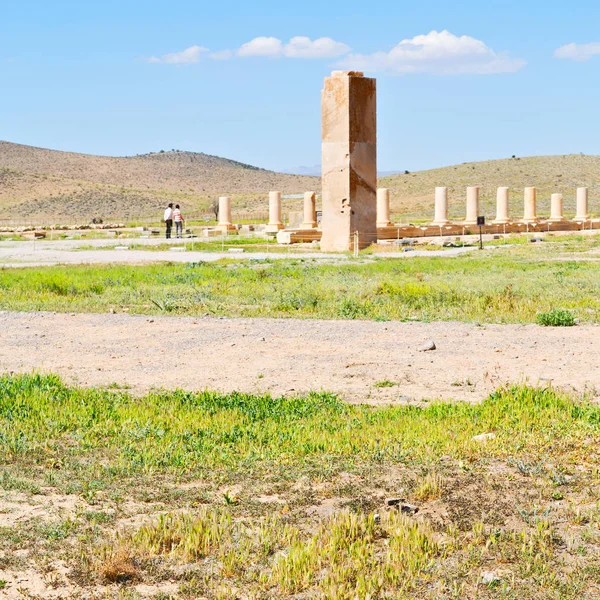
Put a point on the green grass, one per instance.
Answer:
(524, 504)
(506, 285)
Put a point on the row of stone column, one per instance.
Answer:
(502, 213)
(275, 216)
(441, 208)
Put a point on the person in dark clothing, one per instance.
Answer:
(168, 219)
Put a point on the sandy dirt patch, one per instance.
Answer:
(292, 356)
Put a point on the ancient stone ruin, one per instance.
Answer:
(349, 161)
(355, 214)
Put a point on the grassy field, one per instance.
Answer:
(510, 284)
(181, 495)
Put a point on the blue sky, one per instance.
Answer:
(128, 77)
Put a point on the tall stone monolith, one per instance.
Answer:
(349, 161)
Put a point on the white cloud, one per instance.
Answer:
(269, 47)
(190, 55)
(439, 53)
(578, 52)
(303, 47)
(297, 47)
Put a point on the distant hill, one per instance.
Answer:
(48, 184)
(53, 186)
(413, 193)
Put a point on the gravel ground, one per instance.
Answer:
(292, 356)
(65, 252)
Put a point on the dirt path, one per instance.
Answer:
(294, 356)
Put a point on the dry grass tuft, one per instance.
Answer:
(118, 567)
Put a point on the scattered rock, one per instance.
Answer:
(427, 346)
(484, 437)
(112, 311)
(409, 509)
(489, 577)
(394, 501)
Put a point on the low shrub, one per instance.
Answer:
(556, 318)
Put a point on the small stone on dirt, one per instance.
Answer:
(489, 577)
(409, 509)
(427, 346)
(394, 501)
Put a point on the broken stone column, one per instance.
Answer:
(472, 205)
(383, 208)
(502, 206)
(349, 159)
(225, 223)
(556, 208)
(582, 205)
(441, 206)
(530, 205)
(275, 223)
(310, 211)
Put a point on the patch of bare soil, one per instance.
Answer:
(362, 361)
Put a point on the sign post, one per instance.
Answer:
(481, 223)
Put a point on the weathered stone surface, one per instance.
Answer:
(441, 206)
(383, 208)
(275, 223)
(556, 208)
(310, 211)
(225, 223)
(582, 205)
(502, 206)
(530, 206)
(349, 161)
(472, 205)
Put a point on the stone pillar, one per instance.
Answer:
(472, 205)
(556, 208)
(582, 205)
(310, 211)
(529, 213)
(275, 223)
(441, 206)
(502, 206)
(225, 214)
(383, 208)
(349, 159)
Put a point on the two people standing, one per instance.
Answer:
(173, 215)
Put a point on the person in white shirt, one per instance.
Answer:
(168, 219)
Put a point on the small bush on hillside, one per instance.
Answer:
(556, 318)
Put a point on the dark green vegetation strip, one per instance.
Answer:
(496, 287)
(208, 432)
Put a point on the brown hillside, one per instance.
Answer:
(52, 185)
(413, 194)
